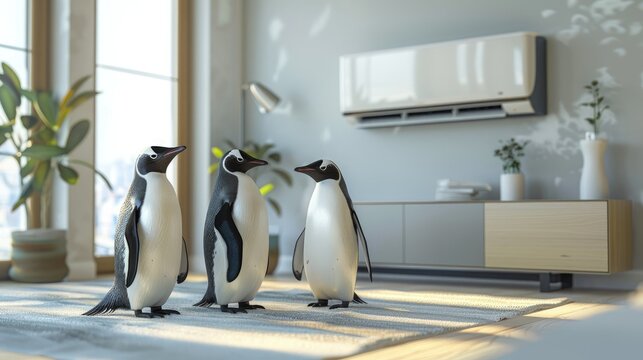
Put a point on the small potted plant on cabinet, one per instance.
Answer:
(512, 181)
(593, 181)
(267, 178)
(39, 253)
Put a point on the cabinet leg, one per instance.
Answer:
(566, 281)
(547, 279)
(545, 282)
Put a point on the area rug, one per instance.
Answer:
(46, 320)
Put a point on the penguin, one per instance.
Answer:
(150, 252)
(235, 239)
(329, 254)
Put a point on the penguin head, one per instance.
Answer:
(156, 159)
(321, 170)
(237, 160)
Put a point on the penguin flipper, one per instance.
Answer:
(224, 222)
(362, 239)
(298, 256)
(185, 264)
(133, 245)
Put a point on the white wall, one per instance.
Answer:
(293, 46)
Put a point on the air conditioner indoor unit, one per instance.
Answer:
(480, 78)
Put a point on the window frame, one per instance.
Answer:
(39, 59)
(40, 73)
(105, 264)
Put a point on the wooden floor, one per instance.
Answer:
(482, 342)
(498, 339)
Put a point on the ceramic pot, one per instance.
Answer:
(512, 187)
(38, 256)
(273, 252)
(593, 180)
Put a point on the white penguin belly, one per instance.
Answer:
(160, 237)
(330, 244)
(250, 215)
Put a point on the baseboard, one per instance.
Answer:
(81, 270)
(629, 280)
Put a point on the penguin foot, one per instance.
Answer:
(344, 304)
(246, 305)
(160, 311)
(141, 314)
(226, 309)
(319, 303)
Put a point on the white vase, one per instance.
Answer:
(593, 180)
(512, 187)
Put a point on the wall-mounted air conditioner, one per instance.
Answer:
(472, 79)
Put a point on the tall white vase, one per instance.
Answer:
(593, 180)
(512, 187)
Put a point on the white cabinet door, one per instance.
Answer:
(444, 234)
(383, 228)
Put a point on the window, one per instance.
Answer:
(15, 51)
(136, 75)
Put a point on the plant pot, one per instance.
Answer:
(38, 256)
(512, 187)
(593, 180)
(273, 252)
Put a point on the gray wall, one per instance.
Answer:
(293, 46)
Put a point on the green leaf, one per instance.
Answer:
(43, 152)
(11, 74)
(68, 174)
(217, 152)
(594, 82)
(283, 175)
(100, 174)
(46, 108)
(267, 189)
(212, 168)
(8, 102)
(15, 92)
(81, 98)
(26, 192)
(276, 157)
(44, 135)
(73, 89)
(40, 175)
(77, 134)
(28, 168)
(28, 121)
(5, 129)
(275, 206)
(31, 95)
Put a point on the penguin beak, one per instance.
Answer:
(304, 169)
(166, 155)
(170, 153)
(252, 162)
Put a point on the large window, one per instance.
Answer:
(14, 50)
(136, 75)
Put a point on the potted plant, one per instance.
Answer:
(267, 179)
(39, 253)
(512, 181)
(593, 180)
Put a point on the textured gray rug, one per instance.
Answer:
(46, 320)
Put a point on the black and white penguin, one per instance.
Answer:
(150, 252)
(329, 254)
(235, 239)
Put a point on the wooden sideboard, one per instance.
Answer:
(543, 237)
